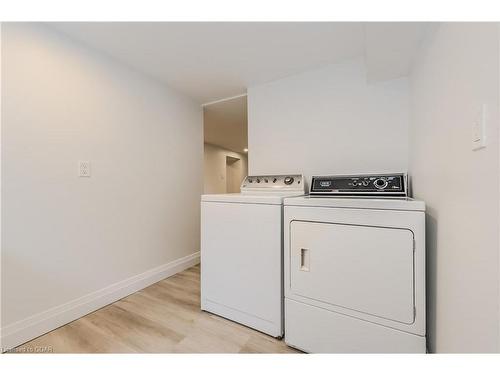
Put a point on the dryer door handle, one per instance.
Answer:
(304, 260)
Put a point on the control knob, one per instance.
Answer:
(288, 180)
(380, 183)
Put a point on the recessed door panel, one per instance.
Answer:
(363, 268)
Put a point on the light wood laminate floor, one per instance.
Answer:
(162, 318)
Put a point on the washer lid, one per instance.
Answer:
(247, 198)
(403, 204)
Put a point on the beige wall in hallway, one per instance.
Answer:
(215, 169)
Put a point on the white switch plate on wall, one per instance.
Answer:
(84, 168)
(479, 129)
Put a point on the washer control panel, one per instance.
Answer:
(273, 183)
(360, 185)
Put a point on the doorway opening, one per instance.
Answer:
(225, 145)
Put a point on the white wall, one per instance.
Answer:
(1, 304)
(328, 121)
(214, 168)
(63, 236)
(458, 71)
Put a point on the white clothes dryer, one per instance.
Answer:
(354, 274)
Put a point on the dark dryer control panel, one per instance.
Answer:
(394, 185)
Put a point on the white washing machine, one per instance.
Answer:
(355, 267)
(242, 252)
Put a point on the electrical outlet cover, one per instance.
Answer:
(84, 168)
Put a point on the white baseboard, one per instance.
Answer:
(27, 329)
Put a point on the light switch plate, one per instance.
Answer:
(84, 168)
(479, 129)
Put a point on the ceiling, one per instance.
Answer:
(212, 60)
(225, 124)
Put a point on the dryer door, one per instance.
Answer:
(363, 268)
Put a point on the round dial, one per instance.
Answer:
(380, 183)
(288, 180)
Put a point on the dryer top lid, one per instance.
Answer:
(400, 204)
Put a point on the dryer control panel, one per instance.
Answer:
(360, 185)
